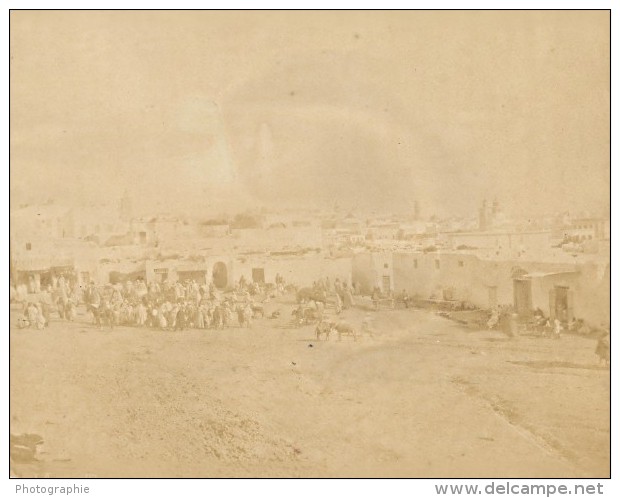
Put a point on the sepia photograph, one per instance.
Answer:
(309, 244)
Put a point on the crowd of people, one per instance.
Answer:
(341, 291)
(165, 306)
(188, 304)
(61, 296)
(178, 305)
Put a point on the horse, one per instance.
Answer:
(109, 315)
(102, 314)
(323, 328)
(306, 294)
(344, 328)
(305, 316)
(95, 310)
(258, 310)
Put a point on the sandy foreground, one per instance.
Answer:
(423, 397)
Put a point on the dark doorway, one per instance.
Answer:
(386, 284)
(161, 275)
(84, 278)
(523, 296)
(258, 275)
(115, 277)
(561, 303)
(220, 275)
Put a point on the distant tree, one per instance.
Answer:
(213, 222)
(245, 221)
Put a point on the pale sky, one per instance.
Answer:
(208, 110)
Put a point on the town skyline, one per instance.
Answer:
(439, 115)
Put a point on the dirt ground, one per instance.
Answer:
(423, 397)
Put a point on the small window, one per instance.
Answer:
(28, 246)
(436, 264)
(461, 264)
(415, 263)
(385, 265)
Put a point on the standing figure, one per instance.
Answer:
(405, 298)
(200, 317)
(338, 304)
(181, 319)
(602, 349)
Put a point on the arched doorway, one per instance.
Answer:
(220, 275)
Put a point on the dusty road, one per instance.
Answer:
(424, 397)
